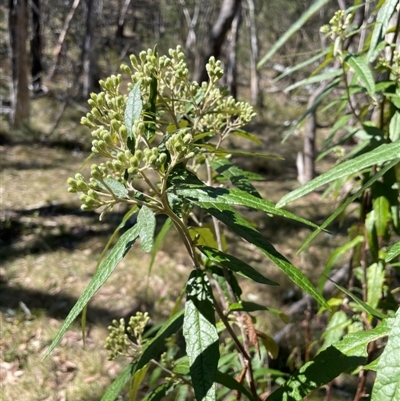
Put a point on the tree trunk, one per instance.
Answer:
(36, 49)
(61, 38)
(121, 20)
(18, 28)
(218, 34)
(88, 64)
(254, 79)
(231, 71)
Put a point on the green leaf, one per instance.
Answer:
(182, 366)
(133, 108)
(385, 12)
(238, 266)
(299, 66)
(240, 226)
(375, 280)
(110, 241)
(228, 381)
(204, 235)
(235, 174)
(160, 392)
(101, 275)
(208, 196)
(158, 242)
(393, 252)
(118, 384)
(394, 127)
(210, 148)
(383, 153)
(155, 345)
(314, 79)
(150, 122)
(363, 72)
(201, 336)
(246, 306)
(335, 329)
(315, 7)
(387, 382)
(367, 308)
(381, 207)
(349, 200)
(343, 356)
(114, 186)
(146, 222)
(246, 135)
(334, 256)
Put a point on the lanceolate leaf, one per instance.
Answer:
(235, 175)
(201, 336)
(343, 356)
(317, 5)
(375, 280)
(387, 383)
(153, 347)
(381, 207)
(394, 251)
(222, 152)
(334, 256)
(228, 381)
(394, 127)
(146, 222)
(382, 21)
(367, 308)
(349, 200)
(314, 79)
(383, 153)
(116, 187)
(238, 266)
(223, 196)
(160, 392)
(157, 243)
(133, 108)
(99, 278)
(240, 226)
(118, 384)
(363, 73)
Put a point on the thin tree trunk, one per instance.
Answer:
(254, 80)
(191, 24)
(218, 34)
(231, 71)
(306, 160)
(87, 51)
(61, 38)
(36, 49)
(18, 28)
(121, 20)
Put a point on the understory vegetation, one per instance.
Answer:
(217, 276)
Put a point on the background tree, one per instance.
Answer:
(18, 36)
(36, 49)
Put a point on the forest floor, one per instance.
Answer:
(48, 253)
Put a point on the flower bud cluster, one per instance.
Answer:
(229, 115)
(180, 147)
(118, 341)
(393, 67)
(338, 25)
(89, 192)
(184, 109)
